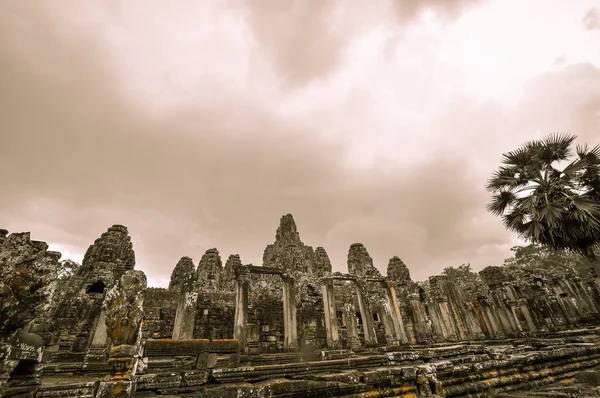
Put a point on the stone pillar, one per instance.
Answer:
(391, 336)
(494, 327)
(290, 328)
(331, 326)
(516, 318)
(242, 283)
(586, 293)
(440, 333)
(422, 334)
(396, 316)
(351, 327)
(527, 315)
(185, 315)
(365, 313)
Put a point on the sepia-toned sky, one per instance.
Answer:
(198, 124)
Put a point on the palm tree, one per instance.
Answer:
(544, 203)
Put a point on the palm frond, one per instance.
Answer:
(527, 203)
(557, 146)
(500, 202)
(550, 214)
(504, 177)
(592, 155)
(574, 168)
(515, 219)
(533, 230)
(585, 205)
(519, 157)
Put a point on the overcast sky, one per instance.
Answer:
(198, 124)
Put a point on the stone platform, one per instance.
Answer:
(512, 368)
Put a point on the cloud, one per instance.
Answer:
(591, 20)
(560, 61)
(306, 39)
(82, 147)
(563, 100)
(443, 9)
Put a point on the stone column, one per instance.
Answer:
(494, 327)
(388, 325)
(396, 316)
(527, 315)
(185, 315)
(331, 326)
(352, 329)
(367, 320)
(419, 319)
(290, 328)
(451, 330)
(242, 283)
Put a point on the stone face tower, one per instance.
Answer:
(183, 271)
(360, 263)
(110, 256)
(227, 281)
(104, 263)
(209, 270)
(397, 271)
(322, 264)
(288, 252)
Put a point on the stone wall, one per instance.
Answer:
(159, 313)
(214, 315)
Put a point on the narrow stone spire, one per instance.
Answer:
(360, 262)
(397, 271)
(113, 246)
(322, 264)
(288, 252)
(182, 271)
(227, 281)
(287, 230)
(209, 269)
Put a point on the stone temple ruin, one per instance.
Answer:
(288, 328)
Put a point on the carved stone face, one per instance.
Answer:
(107, 254)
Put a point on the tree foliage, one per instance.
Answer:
(536, 257)
(549, 194)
